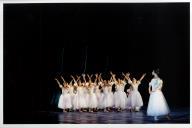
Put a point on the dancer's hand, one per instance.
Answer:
(128, 74)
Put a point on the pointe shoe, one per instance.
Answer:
(168, 117)
(155, 118)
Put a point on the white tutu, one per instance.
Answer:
(134, 99)
(120, 98)
(98, 95)
(60, 103)
(71, 88)
(81, 98)
(106, 97)
(75, 102)
(92, 100)
(111, 99)
(157, 105)
(65, 99)
(100, 101)
(106, 100)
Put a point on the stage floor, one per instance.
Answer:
(124, 117)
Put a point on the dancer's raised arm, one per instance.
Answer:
(84, 78)
(100, 78)
(63, 79)
(113, 76)
(96, 78)
(90, 77)
(58, 83)
(126, 76)
(142, 77)
(73, 79)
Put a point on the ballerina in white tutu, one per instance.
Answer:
(111, 95)
(135, 101)
(157, 105)
(120, 97)
(92, 98)
(71, 88)
(101, 94)
(75, 101)
(65, 98)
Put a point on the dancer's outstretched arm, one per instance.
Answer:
(96, 78)
(100, 78)
(63, 79)
(113, 76)
(73, 79)
(89, 76)
(126, 76)
(58, 83)
(142, 77)
(84, 78)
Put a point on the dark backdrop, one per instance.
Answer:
(43, 41)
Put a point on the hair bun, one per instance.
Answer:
(157, 71)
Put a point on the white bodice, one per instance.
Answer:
(65, 90)
(71, 88)
(156, 83)
(134, 85)
(105, 90)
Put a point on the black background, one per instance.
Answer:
(43, 41)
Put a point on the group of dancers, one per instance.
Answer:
(85, 93)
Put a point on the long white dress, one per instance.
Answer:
(92, 98)
(65, 99)
(120, 96)
(134, 97)
(157, 105)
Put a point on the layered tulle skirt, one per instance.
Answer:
(65, 101)
(92, 101)
(157, 105)
(134, 99)
(120, 99)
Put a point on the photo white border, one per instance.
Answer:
(82, 125)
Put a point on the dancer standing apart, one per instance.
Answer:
(135, 101)
(120, 96)
(65, 98)
(157, 105)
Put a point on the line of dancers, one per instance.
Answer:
(92, 93)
